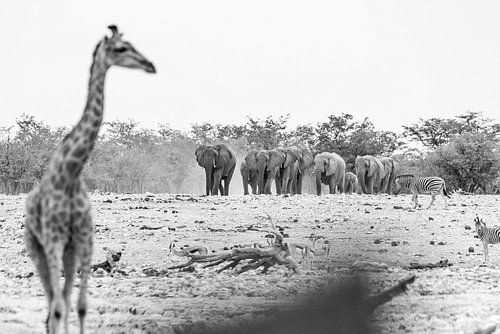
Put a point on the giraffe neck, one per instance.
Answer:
(77, 145)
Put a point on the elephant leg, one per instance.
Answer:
(341, 183)
(227, 181)
(217, 182)
(299, 184)
(277, 183)
(221, 188)
(332, 185)
(371, 183)
(245, 185)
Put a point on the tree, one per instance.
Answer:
(343, 135)
(472, 160)
(266, 134)
(334, 135)
(435, 132)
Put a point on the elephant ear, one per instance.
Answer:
(292, 154)
(388, 165)
(276, 159)
(381, 167)
(395, 167)
(332, 166)
(306, 161)
(199, 154)
(251, 160)
(224, 155)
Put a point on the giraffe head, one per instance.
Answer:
(117, 52)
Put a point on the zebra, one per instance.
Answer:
(488, 235)
(421, 185)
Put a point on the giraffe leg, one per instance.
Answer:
(69, 263)
(84, 253)
(82, 296)
(57, 307)
(37, 254)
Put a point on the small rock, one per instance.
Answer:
(431, 219)
(441, 243)
(107, 201)
(377, 241)
(471, 249)
(467, 227)
(99, 272)
(394, 243)
(432, 242)
(397, 207)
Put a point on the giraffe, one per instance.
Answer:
(58, 223)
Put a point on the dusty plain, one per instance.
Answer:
(376, 234)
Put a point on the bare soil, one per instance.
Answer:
(378, 235)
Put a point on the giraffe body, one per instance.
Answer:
(58, 223)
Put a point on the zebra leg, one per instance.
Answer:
(432, 200)
(486, 255)
(445, 201)
(415, 200)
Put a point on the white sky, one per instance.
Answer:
(393, 61)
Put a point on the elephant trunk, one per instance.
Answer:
(362, 181)
(285, 179)
(245, 183)
(208, 178)
(269, 181)
(318, 182)
(261, 177)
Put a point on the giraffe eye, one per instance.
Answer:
(121, 49)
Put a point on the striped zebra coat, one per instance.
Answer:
(421, 185)
(487, 235)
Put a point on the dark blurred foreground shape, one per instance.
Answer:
(344, 308)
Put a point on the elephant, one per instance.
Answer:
(329, 168)
(219, 162)
(370, 171)
(249, 172)
(351, 183)
(298, 169)
(391, 168)
(288, 176)
(268, 165)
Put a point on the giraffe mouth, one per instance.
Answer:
(149, 67)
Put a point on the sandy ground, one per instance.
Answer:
(379, 235)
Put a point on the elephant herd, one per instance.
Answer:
(286, 166)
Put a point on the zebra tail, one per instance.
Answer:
(445, 192)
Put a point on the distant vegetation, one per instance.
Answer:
(464, 150)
